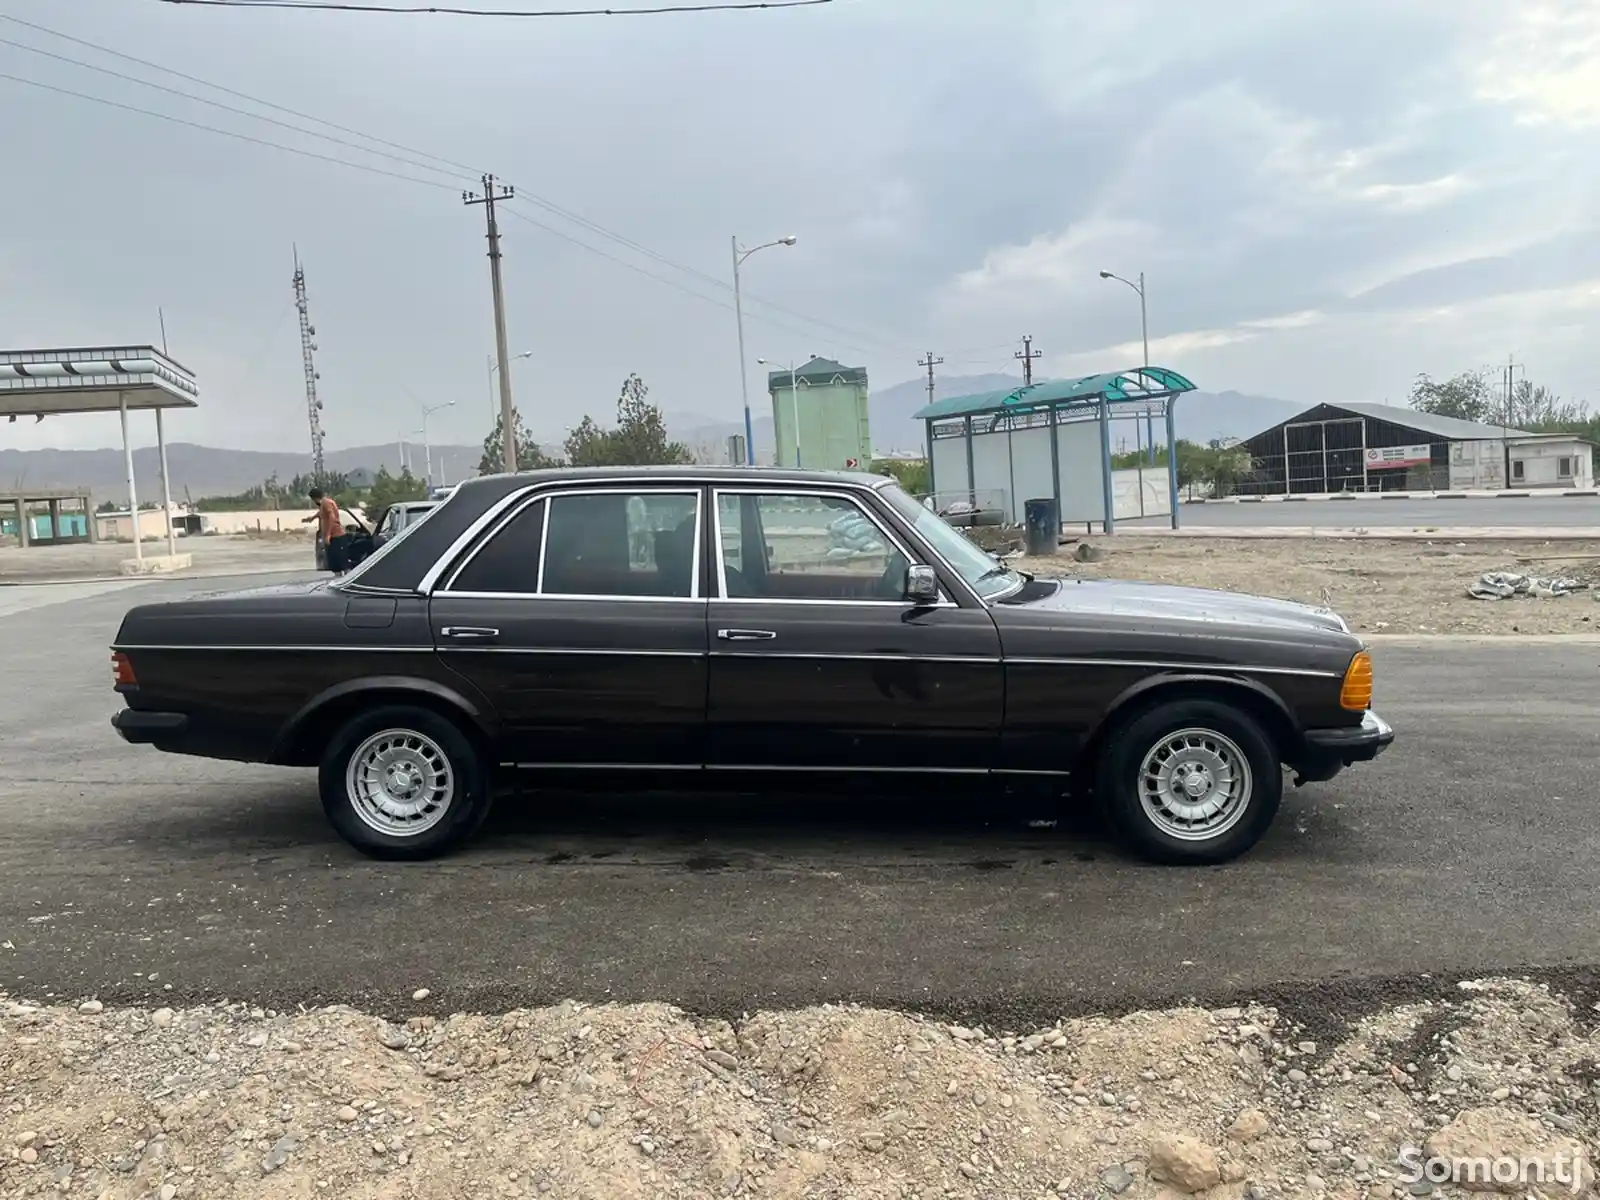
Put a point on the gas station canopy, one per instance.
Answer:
(37, 383)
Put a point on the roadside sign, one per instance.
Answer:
(1382, 458)
(850, 464)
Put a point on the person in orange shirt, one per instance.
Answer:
(334, 538)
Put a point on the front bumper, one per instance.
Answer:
(146, 728)
(1329, 751)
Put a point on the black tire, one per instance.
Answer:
(429, 739)
(1235, 734)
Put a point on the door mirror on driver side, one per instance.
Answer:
(922, 584)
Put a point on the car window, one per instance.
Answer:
(509, 561)
(986, 575)
(794, 546)
(621, 544)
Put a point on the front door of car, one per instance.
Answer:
(579, 615)
(818, 662)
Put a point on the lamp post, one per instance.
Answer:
(494, 400)
(427, 449)
(794, 407)
(1144, 334)
(738, 312)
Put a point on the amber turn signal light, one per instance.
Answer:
(122, 671)
(1356, 694)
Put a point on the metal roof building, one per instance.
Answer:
(1357, 446)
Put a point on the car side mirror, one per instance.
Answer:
(922, 584)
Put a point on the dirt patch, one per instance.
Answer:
(1379, 586)
(646, 1101)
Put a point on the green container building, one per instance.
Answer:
(821, 408)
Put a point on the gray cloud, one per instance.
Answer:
(1307, 185)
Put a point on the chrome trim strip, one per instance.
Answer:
(863, 769)
(550, 651)
(897, 604)
(620, 766)
(570, 596)
(1024, 771)
(977, 660)
(286, 648)
(1171, 666)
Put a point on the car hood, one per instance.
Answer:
(1142, 601)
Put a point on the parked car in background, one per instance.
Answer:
(361, 540)
(399, 516)
(669, 624)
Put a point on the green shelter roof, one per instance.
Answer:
(815, 372)
(1140, 383)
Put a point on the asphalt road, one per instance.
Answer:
(135, 877)
(1541, 512)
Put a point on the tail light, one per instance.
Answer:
(122, 670)
(1356, 693)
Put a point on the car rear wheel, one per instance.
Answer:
(1190, 781)
(403, 783)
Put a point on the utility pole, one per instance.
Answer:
(307, 347)
(1027, 354)
(489, 196)
(930, 362)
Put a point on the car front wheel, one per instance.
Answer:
(1190, 781)
(403, 783)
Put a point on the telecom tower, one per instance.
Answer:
(307, 348)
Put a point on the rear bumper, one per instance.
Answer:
(1329, 751)
(147, 728)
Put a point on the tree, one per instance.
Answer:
(530, 456)
(1467, 396)
(910, 473)
(639, 439)
(389, 489)
(1537, 409)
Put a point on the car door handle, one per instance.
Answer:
(746, 635)
(469, 633)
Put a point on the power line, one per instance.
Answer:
(155, 66)
(243, 137)
(449, 167)
(316, 5)
(230, 108)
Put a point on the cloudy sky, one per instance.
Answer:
(1326, 196)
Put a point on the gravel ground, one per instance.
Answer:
(1379, 585)
(645, 1101)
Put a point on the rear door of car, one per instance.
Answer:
(818, 663)
(580, 614)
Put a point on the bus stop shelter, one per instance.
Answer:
(1048, 441)
(101, 379)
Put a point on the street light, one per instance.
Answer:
(1144, 333)
(794, 406)
(427, 450)
(494, 401)
(738, 311)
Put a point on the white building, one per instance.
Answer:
(1523, 460)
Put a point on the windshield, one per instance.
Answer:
(983, 573)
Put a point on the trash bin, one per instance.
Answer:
(1042, 525)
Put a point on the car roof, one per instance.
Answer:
(501, 484)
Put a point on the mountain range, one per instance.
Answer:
(208, 471)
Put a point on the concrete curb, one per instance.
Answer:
(1466, 533)
(1517, 494)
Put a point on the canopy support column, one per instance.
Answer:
(1108, 485)
(133, 493)
(1172, 460)
(166, 491)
